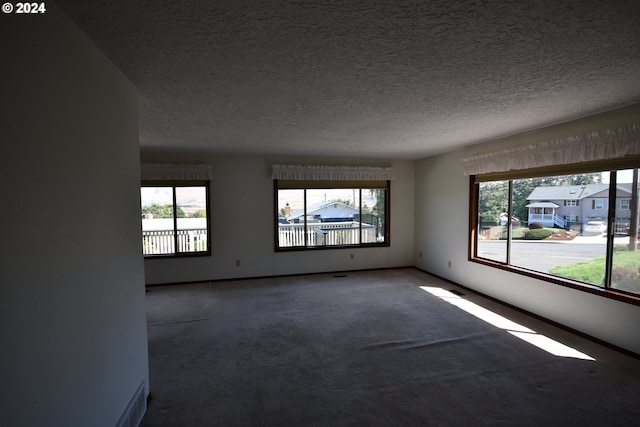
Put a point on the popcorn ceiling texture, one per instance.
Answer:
(367, 78)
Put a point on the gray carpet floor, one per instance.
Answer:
(367, 348)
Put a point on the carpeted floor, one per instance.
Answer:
(367, 349)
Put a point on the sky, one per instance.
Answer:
(624, 176)
(162, 195)
(295, 198)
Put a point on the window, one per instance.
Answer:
(571, 203)
(624, 204)
(175, 218)
(493, 201)
(331, 214)
(598, 252)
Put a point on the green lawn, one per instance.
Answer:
(588, 271)
(625, 274)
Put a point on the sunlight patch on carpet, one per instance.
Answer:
(532, 337)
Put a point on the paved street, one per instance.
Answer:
(543, 255)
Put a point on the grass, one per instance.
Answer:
(625, 274)
(588, 271)
(622, 257)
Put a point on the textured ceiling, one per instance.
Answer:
(364, 78)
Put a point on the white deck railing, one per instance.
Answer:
(326, 234)
(559, 221)
(160, 242)
(549, 220)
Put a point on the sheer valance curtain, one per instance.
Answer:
(594, 146)
(330, 173)
(175, 172)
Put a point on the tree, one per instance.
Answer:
(343, 201)
(522, 188)
(633, 226)
(163, 211)
(200, 213)
(493, 200)
(379, 208)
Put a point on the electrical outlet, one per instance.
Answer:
(449, 263)
(237, 263)
(352, 256)
(420, 254)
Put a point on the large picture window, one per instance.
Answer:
(525, 224)
(175, 220)
(330, 214)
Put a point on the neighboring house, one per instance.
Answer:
(562, 206)
(325, 212)
(330, 222)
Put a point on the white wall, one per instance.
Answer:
(441, 233)
(242, 224)
(72, 299)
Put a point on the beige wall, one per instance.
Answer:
(242, 224)
(72, 308)
(442, 217)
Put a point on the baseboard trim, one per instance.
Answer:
(135, 410)
(237, 279)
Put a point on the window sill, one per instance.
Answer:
(180, 255)
(323, 248)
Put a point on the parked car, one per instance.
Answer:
(504, 218)
(594, 227)
(628, 232)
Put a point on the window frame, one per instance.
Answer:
(607, 165)
(177, 184)
(325, 184)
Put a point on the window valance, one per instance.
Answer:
(330, 173)
(167, 171)
(598, 145)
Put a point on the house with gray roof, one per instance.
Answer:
(332, 211)
(562, 206)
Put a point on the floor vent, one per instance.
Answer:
(340, 275)
(132, 415)
(456, 292)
